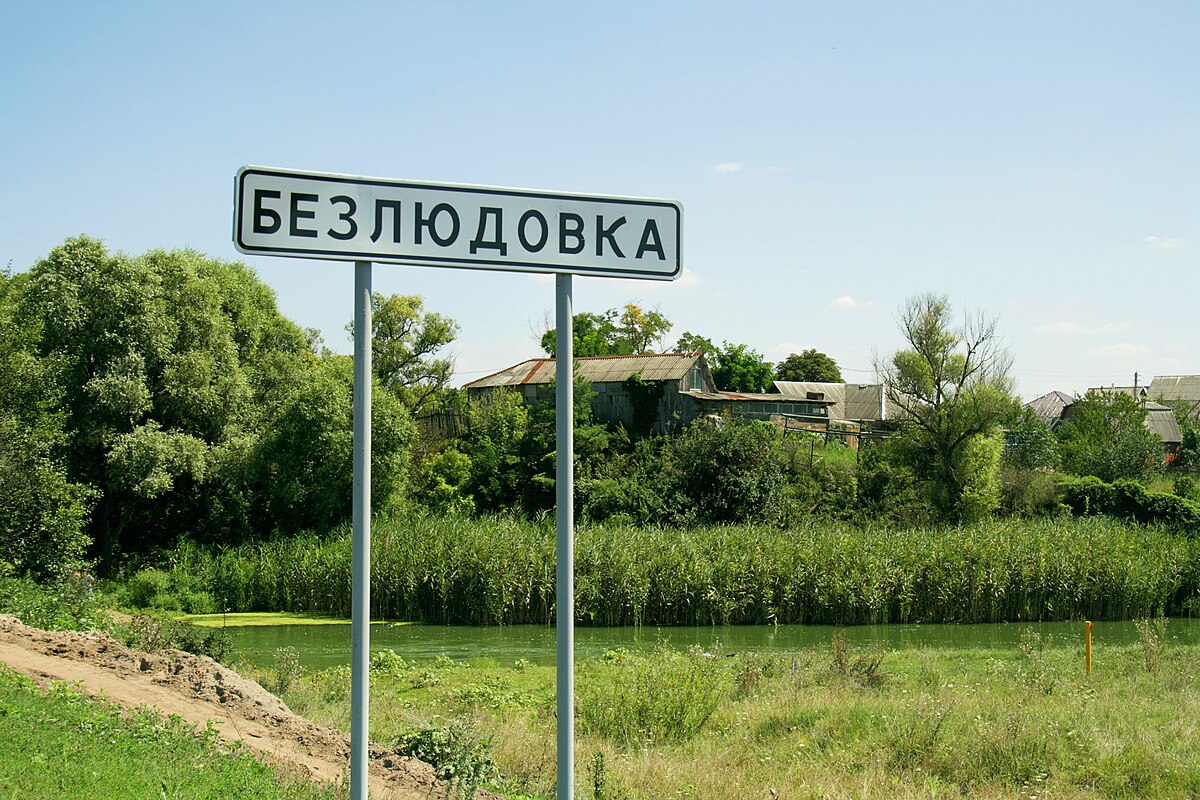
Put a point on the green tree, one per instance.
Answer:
(643, 330)
(695, 343)
(405, 344)
(724, 473)
(499, 422)
(43, 514)
(951, 385)
(162, 367)
(1104, 434)
(1030, 443)
(738, 368)
(628, 331)
(302, 465)
(809, 365)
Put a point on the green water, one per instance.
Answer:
(323, 646)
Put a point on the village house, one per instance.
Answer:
(1054, 407)
(683, 377)
(688, 392)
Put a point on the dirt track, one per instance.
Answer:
(199, 689)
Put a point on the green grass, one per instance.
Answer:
(61, 743)
(827, 722)
(500, 570)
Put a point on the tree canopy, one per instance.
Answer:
(809, 365)
(740, 368)
(406, 340)
(164, 394)
(630, 330)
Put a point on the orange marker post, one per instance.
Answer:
(1087, 646)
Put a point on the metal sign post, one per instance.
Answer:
(564, 570)
(285, 212)
(360, 600)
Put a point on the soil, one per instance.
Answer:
(198, 689)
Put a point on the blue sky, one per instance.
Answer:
(1040, 162)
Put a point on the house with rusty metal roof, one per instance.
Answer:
(681, 376)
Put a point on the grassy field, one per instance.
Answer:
(1018, 723)
(62, 743)
(500, 570)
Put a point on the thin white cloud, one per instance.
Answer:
(727, 167)
(1120, 350)
(1162, 243)
(846, 301)
(1077, 329)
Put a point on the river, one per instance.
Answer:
(328, 645)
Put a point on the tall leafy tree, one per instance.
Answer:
(1105, 434)
(301, 466)
(951, 384)
(809, 365)
(43, 514)
(406, 346)
(739, 368)
(163, 367)
(642, 329)
(695, 343)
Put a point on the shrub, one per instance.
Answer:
(725, 473)
(1130, 500)
(456, 752)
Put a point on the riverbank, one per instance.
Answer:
(835, 721)
(220, 724)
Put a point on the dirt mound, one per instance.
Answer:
(199, 689)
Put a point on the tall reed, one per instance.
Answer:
(500, 570)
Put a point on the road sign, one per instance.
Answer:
(284, 212)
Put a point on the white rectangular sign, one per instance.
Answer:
(284, 212)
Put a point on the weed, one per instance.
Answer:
(287, 670)
(863, 670)
(665, 696)
(158, 631)
(1035, 671)
(1150, 641)
(456, 752)
(388, 662)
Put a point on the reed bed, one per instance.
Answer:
(500, 570)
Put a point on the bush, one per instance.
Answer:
(725, 473)
(64, 606)
(153, 588)
(1130, 500)
(1031, 493)
(455, 751)
(152, 632)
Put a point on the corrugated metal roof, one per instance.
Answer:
(860, 401)
(596, 369)
(1162, 423)
(1049, 407)
(835, 392)
(1176, 387)
(773, 397)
